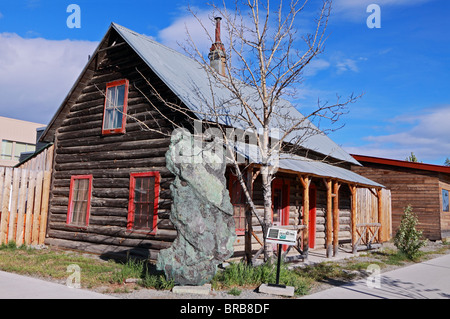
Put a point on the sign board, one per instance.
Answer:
(282, 236)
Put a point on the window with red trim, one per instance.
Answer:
(79, 200)
(116, 102)
(238, 201)
(143, 201)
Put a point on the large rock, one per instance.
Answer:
(201, 212)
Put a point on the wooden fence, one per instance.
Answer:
(24, 199)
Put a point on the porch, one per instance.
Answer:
(327, 205)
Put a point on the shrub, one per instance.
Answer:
(408, 239)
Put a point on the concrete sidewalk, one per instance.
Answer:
(426, 280)
(14, 286)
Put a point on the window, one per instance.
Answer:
(238, 201)
(79, 200)
(445, 202)
(11, 150)
(116, 102)
(21, 148)
(143, 201)
(7, 149)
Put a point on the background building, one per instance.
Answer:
(16, 136)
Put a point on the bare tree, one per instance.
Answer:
(258, 70)
(261, 66)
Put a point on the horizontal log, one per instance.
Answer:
(119, 146)
(113, 174)
(120, 138)
(103, 250)
(111, 155)
(116, 231)
(117, 164)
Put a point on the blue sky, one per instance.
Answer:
(403, 68)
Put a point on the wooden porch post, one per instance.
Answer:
(380, 215)
(329, 215)
(305, 183)
(353, 218)
(335, 218)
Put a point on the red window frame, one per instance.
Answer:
(121, 129)
(131, 203)
(70, 211)
(238, 201)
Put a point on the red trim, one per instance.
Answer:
(120, 130)
(131, 206)
(70, 208)
(393, 162)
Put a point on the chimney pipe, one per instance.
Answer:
(217, 54)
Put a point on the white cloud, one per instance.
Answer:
(347, 65)
(37, 74)
(316, 66)
(176, 35)
(1, 15)
(427, 137)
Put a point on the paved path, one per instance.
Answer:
(426, 280)
(14, 286)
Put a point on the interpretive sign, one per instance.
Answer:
(281, 236)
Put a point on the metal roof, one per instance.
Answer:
(304, 165)
(193, 85)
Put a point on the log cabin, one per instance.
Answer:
(423, 186)
(110, 191)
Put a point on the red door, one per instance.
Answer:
(312, 216)
(280, 204)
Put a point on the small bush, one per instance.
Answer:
(408, 239)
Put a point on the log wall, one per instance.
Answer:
(296, 209)
(80, 149)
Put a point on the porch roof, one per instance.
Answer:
(298, 164)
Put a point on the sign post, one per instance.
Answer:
(280, 237)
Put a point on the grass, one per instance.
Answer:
(111, 275)
(245, 276)
(53, 264)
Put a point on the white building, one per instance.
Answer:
(16, 136)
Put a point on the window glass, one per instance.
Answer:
(79, 201)
(115, 106)
(6, 150)
(144, 196)
(143, 204)
(445, 202)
